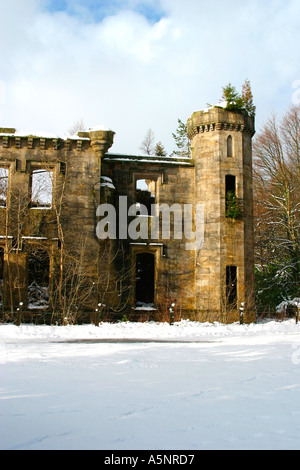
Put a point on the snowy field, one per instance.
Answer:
(188, 386)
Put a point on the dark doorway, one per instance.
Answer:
(231, 286)
(144, 279)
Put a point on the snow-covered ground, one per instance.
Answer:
(187, 386)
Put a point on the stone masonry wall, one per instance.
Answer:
(105, 271)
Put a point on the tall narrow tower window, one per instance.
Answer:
(229, 147)
(231, 203)
(230, 184)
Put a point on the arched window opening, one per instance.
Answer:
(3, 186)
(41, 188)
(229, 147)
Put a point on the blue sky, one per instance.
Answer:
(135, 65)
(96, 10)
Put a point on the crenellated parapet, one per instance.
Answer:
(9, 138)
(217, 119)
(98, 139)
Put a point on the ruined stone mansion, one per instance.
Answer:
(54, 257)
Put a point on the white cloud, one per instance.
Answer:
(133, 74)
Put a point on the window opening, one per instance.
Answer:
(231, 202)
(145, 194)
(38, 278)
(231, 286)
(3, 186)
(144, 280)
(230, 184)
(229, 147)
(41, 188)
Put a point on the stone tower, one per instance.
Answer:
(221, 143)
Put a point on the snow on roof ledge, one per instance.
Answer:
(25, 133)
(100, 128)
(41, 134)
(12, 132)
(221, 104)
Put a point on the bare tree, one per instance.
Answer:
(78, 126)
(147, 145)
(277, 200)
(13, 221)
(89, 275)
(43, 261)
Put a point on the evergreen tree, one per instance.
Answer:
(236, 101)
(232, 97)
(181, 140)
(160, 150)
(248, 98)
(232, 206)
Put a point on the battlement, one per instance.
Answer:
(217, 119)
(11, 138)
(19, 141)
